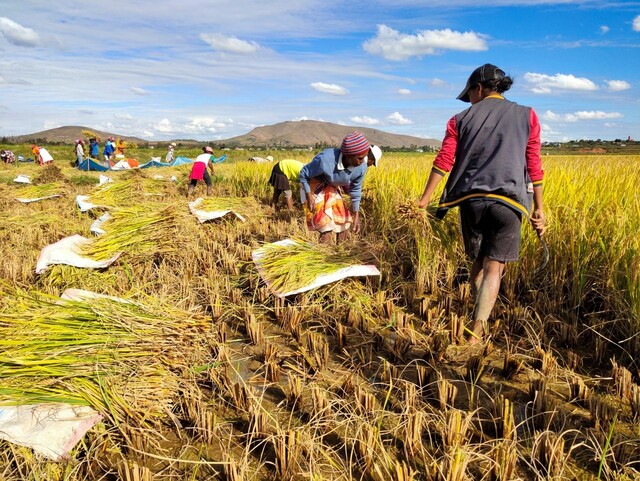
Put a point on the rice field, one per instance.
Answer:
(201, 372)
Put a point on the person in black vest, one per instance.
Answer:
(492, 154)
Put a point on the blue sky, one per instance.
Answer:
(211, 70)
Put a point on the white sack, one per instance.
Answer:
(67, 251)
(205, 215)
(50, 429)
(22, 179)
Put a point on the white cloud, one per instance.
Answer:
(404, 91)
(229, 44)
(436, 82)
(397, 118)
(332, 89)
(543, 84)
(581, 115)
(604, 29)
(597, 115)
(636, 24)
(139, 91)
(365, 120)
(617, 85)
(120, 116)
(18, 35)
(393, 45)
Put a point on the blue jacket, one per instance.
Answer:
(327, 167)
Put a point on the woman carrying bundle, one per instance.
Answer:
(323, 180)
(199, 170)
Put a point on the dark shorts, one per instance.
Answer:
(278, 180)
(490, 229)
(205, 176)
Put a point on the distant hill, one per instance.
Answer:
(67, 135)
(303, 133)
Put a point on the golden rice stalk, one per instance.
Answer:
(289, 267)
(245, 206)
(130, 190)
(122, 358)
(91, 134)
(37, 191)
(138, 231)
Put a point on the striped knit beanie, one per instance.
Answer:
(354, 144)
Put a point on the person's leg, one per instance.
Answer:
(288, 195)
(276, 196)
(207, 180)
(192, 186)
(486, 296)
(475, 277)
(325, 237)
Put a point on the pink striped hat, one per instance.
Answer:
(354, 144)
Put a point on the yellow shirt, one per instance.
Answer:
(291, 168)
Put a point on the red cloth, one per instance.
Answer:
(197, 171)
(330, 214)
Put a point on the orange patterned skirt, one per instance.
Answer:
(329, 211)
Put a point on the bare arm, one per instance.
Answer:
(538, 219)
(432, 183)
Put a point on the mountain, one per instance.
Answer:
(303, 133)
(67, 135)
(300, 133)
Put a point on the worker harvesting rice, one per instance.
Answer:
(492, 150)
(199, 170)
(282, 174)
(323, 180)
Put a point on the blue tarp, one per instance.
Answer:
(220, 159)
(155, 163)
(90, 164)
(182, 161)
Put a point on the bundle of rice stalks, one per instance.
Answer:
(410, 211)
(288, 266)
(131, 190)
(122, 358)
(90, 134)
(39, 191)
(245, 206)
(139, 230)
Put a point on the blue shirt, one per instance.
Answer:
(327, 166)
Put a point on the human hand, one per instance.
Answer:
(538, 221)
(356, 225)
(423, 202)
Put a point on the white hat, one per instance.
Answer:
(173, 144)
(377, 154)
(269, 158)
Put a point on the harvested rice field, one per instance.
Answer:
(198, 370)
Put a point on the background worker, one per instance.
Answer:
(492, 151)
(374, 156)
(170, 153)
(109, 149)
(282, 174)
(7, 156)
(79, 151)
(199, 171)
(94, 148)
(322, 182)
